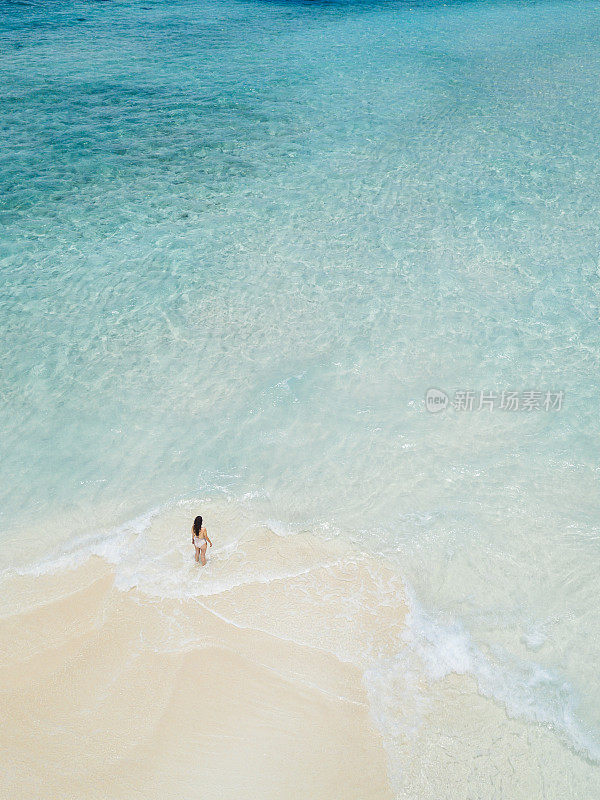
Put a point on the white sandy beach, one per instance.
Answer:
(105, 698)
(291, 666)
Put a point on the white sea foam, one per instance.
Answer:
(111, 545)
(526, 689)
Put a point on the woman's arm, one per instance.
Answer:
(207, 539)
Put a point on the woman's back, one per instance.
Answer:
(200, 539)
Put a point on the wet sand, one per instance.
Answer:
(112, 693)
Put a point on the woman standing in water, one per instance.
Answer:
(200, 540)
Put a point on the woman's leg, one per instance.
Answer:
(197, 554)
(203, 554)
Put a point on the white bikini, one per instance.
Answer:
(200, 541)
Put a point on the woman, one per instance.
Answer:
(200, 539)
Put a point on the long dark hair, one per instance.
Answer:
(197, 526)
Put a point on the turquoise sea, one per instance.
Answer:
(240, 241)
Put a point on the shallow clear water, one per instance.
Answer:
(239, 243)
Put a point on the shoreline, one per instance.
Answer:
(290, 666)
(90, 682)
